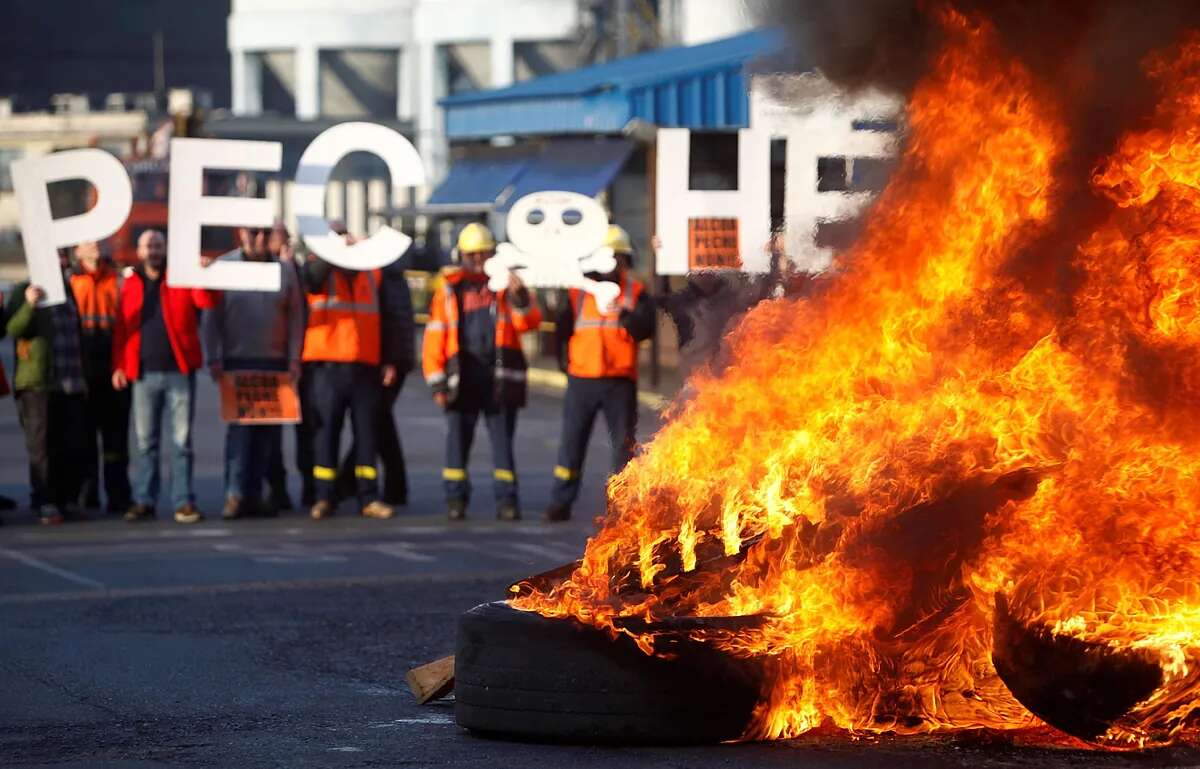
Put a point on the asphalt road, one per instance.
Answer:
(285, 642)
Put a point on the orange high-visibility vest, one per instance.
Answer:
(343, 321)
(96, 297)
(439, 354)
(599, 347)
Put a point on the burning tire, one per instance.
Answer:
(1080, 687)
(522, 675)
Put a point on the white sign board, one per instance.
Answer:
(555, 239)
(700, 229)
(42, 235)
(677, 206)
(189, 209)
(818, 120)
(308, 196)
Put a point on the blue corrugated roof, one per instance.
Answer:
(476, 182)
(586, 166)
(701, 86)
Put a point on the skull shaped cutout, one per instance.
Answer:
(555, 239)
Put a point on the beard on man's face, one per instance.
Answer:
(256, 246)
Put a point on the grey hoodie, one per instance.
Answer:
(256, 325)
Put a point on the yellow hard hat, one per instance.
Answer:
(618, 240)
(474, 238)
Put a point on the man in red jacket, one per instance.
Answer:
(156, 350)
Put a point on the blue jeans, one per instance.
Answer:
(153, 393)
(249, 448)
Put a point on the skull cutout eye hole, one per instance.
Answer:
(572, 217)
(535, 217)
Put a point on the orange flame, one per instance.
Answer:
(881, 459)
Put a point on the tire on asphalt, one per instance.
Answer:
(519, 675)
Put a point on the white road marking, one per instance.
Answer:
(135, 532)
(404, 551)
(287, 553)
(115, 594)
(559, 553)
(196, 533)
(434, 719)
(300, 558)
(437, 529)
(491, 550)
(49, 568)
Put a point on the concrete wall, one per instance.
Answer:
(323, 35)
(691, 22)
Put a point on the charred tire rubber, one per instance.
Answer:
(519, 675)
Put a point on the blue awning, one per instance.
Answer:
(496, 181)
(473, 184)
(699, 87)
(586, 166)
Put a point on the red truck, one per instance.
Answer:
(149, 212)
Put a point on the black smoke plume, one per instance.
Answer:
(1085, 55)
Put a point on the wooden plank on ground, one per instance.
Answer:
(432, 681)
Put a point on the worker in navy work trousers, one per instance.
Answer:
(473, 362)
(598, 348)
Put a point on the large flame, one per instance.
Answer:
(881, 460)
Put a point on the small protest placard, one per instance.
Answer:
(259, 398)
(713, 244)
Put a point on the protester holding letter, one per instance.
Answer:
(474, 364)
(279, 245)
(599, 351)
(391, 452)
(50, 388)
(253, 331)
(351, 351)
(156, 351)
(94, 287)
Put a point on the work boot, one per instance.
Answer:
(456, 509)
(378, 510)
(260, 509)
(233, 508)
(187, 513)
(49, 515)
(72, 513)
(556, 512)
(137, 513)
(508, 511)
(322, 509)
(279, 501)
